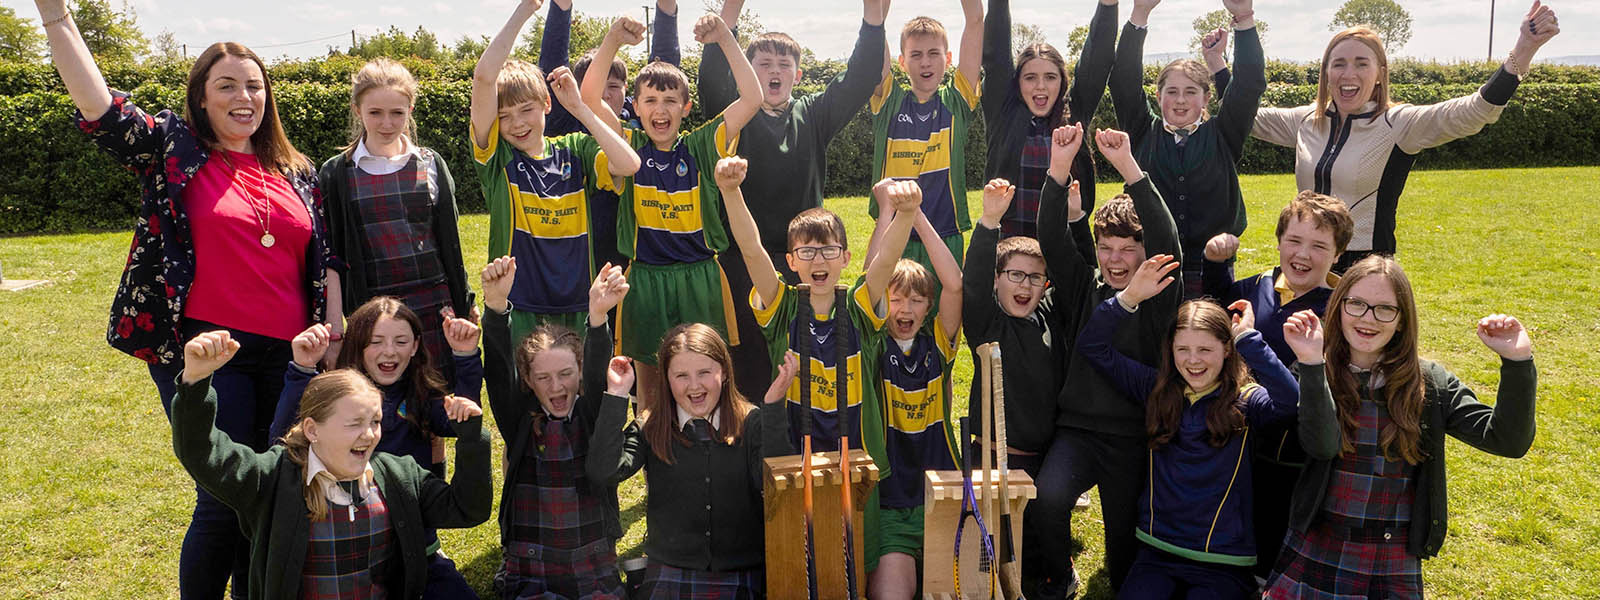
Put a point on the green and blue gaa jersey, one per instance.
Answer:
(670, 211)
(925, 141)
(539, 214)
(916, 397)
(781, 328)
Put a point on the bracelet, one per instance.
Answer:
(1510, 65)
(59, 19)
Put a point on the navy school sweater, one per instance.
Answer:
(1197, 497)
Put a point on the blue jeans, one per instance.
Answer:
(215, 548)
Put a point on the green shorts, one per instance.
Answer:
(899, 530)
(662, 297)
(523, 323)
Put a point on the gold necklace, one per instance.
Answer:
(265, 223)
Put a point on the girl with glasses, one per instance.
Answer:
(1371, 504)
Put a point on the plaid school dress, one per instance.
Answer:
(1357, 546)
(403, 258)
(557, 547)
(346, 552)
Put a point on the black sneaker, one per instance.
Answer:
(1055, 590)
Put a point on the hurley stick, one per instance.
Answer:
(1010, 576)
(842, 334)
(802, 343)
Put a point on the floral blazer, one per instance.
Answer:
(162, 150)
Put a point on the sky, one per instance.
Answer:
(1443, 30)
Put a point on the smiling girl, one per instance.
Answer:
(1201, 408)
(392, 212)
(701, 445)
(1355, 126)
(1370, 504)
(327, 514)
(386, 346)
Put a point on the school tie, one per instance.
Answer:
(698, 430)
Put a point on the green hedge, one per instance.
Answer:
(58, 181)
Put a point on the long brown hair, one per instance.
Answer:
(545, 337)
(1164, 409)
(269, 142)
(1059, 113)
(319, 401)
(1380, 87)
(424, 378)
(1399, 367)
(379, 73)
(661, 428)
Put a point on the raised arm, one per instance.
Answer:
(231, 471)
(625, 31)
(1318, 418)
(969, 64)
(616, 451)
(1281, 400)
(506, 398)
(845, 95)
(1094, 64)
(906, 198)
(1134, 379)
(1059, 209)
(79, 73)
(717, 88)
(763, 276)
(1237, 112)
(998, 62)
(621, 159)
(1127, 76)
(711, 28)
(1508, 427)
(948, 271)
(1216, 279)
(307, 350)
(485, 106)
(664, 33)
(469, 497)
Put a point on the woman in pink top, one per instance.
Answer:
(229, 237)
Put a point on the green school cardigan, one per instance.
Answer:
(265, 488)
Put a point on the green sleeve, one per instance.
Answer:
(883, 106)
(616, 451)
(1507, 428)
(774, 321)
(1127, 86)
(235, 474)
(1318, 418)
(490, 164)
(708, 144)
(467, 499)
(869, 322)
(766, 435)
(627, 224)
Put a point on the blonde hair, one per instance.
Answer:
(922, 26)
(519, 82)
(910, 276)
(1380, 87)
(379, 73)
(318, 403)
(1195, 71)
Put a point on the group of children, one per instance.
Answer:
(1276, 433)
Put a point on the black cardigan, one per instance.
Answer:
(345, 239)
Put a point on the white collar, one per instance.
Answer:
(333, 491)
(408, 150)
(684, 417)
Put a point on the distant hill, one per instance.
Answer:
(1590, 59)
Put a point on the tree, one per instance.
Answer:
(1024, 35)
(1076, 40)
(396, 43)
(1210, 21)
(168, 47)
(587, 33)
(110, 34)
(20, 39)
(1386, 17)
(469, 48)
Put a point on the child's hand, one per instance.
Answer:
(534, 4)
(731, 172)
(711, 30)
(1238, 7)
(996, 199)
(1149, 280)
(460, 409)
(785, 378)
(1505, 335)
(461, 334)
(1214, 46)
(1146, 5)
(906, 196)
(1114, 145)
(564, 87)
(311, 345)
(1303, 332)
(1074, 202)
(206, 353)
(619, 376)
(1064, 144)
(1245, 320)
(1222, 247)
(497, 277)
(607, 290)
(626, 31)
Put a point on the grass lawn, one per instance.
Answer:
(93, 505)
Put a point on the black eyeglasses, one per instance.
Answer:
(811, 252)
(1384, 313)
(1034, 279)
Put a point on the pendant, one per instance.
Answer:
(267, 240)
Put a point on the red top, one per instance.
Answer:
(238, 282)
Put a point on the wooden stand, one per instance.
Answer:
(786, 525)
(943, 498)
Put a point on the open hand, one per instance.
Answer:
(206, 353)
(1303, 332)
(1154, 275)
(997, 196)
(460, 409)
(564, 87)
(607, 290)
(496, 278)
(784, 379)
(1505, 335)
(461, 334)
(1244, 318)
